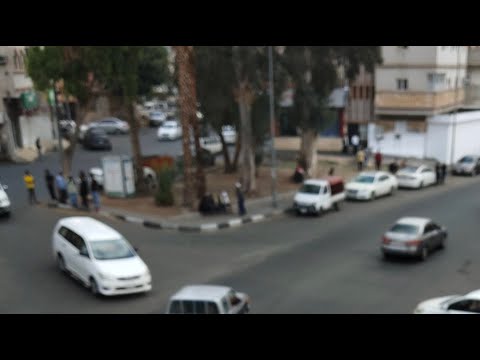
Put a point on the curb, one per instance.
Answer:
(208, 227)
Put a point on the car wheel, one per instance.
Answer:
(386, 256)
(336, 206)
(372, 196)
(320, 211)
(421, 185)
(424, 253)
(443, 243)
(94, 287)
(61, 264)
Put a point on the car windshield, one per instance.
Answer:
(365, 179)
(98, 131)
(405, 229)
(466, 159)
(410, 169)
(310, 189)
(111, 249)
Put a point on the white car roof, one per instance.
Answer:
(90, 229)
(418, 221)
(201, 293)
(373, 173)
(474, 295)
(318, 182)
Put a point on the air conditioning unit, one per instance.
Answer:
(3, 60)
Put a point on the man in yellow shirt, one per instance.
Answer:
(30, 185)
(360, 159)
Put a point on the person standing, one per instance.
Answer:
(30, 185)
(438, 172)
(72, 192)
(443, 173)
(378, 160)
(95, 189)
(50, 180)
(355, 142)
(61, 187)
(39, 148)
(84, 190)
(360, 159)
(240, 199)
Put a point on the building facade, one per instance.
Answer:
(415, 84)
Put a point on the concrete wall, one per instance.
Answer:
(418, 55)
(450, 55)
(409, 144)
(33, 127)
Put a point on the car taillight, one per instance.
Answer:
(414, 242)
(386, 240)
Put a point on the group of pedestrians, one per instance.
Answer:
(66, 190)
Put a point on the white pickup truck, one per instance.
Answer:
(319, 195)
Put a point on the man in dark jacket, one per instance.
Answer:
(444, 173)
(240, 199)
(84, 190)
(50, 180)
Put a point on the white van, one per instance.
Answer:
(208, 299)
(316, 196)
(99, 257)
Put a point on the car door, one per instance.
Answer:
(383, 185)
(70, 250)
(438, 234)
(83, 260)
(430, 236)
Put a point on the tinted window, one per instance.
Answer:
(365, 179)
(200, 307)
(111, 249)
(466, 159)
(310, 189)
(188, 307)
(63, 231)
(428, 229)
(410, 169)
(426, 170)
(383, 178)
(212, 308)
(175, 307)
(405, 229)
(466, 305)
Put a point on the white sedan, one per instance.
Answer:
(452, 304)
(416, 176)
(169, 130)
(229, 134)
(369, 185)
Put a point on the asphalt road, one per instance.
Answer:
(330, 264)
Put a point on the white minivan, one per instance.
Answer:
(99, 257)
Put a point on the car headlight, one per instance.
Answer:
(104, 276)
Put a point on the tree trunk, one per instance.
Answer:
(246, 153)
(238, 147)
(140, 185)
(68, 152)
(200, 181)
(226, 156)
(181, 57)
(308, 151)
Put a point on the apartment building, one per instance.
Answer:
(414, 85)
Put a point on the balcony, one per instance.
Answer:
(421, 103)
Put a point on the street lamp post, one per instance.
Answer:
(272, 127)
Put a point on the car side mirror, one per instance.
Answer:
(85, 254)
(5, 187)
(136, 249)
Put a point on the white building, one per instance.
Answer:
(412, 86)
(19, 129)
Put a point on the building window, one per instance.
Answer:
(354, 92)
(436, 81)
(360, 92)
(367, 92)
(402, 84)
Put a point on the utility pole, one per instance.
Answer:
(454, 126)
(272, 127)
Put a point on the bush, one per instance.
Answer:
(164, 195)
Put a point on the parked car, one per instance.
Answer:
(416, 176)
(99, 257)
(413, 236)
(369, 185)
(96, 138)
(113, 126)
(211, 143)
(67, 127)
(83, 130)
(208, 299)
(148, 174)
(469, 165)
(169, 130)
(451, 304)
(316, 196)
(5, 205)
(229, 134)
(157, 118)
